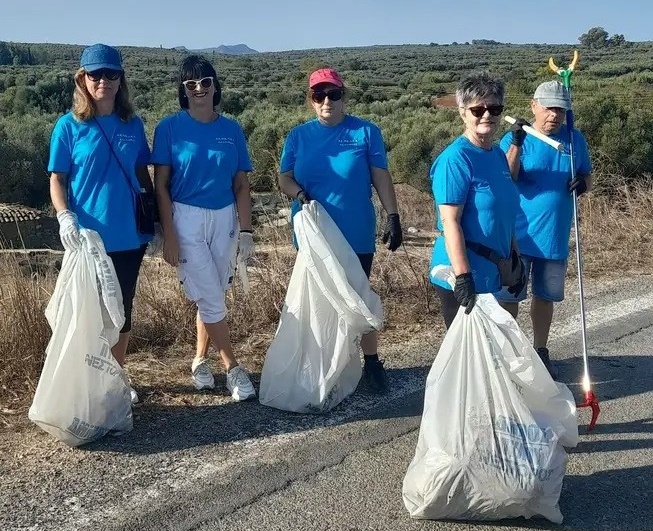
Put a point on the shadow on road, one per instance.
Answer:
(168, 428)
(608, 500)
(612, 376)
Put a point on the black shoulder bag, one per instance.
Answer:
(145, 202)
(509, 270)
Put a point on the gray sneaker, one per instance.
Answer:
(239, 384)
(202, 375)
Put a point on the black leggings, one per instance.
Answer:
(449, 304)
(366, 262)
(127, 265)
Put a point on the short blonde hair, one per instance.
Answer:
(84, 107)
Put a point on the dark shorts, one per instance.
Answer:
(366, 262)
(127, 265)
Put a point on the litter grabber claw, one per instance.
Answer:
(590, 398)
(565, 73)
(593, 403)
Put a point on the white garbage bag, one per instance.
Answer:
(313, 362)
(494, 425)
(83, 393)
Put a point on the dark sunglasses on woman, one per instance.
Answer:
(479, 110)
(192, 84)
(318, 96)
(106, 73)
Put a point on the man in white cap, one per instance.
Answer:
(543, 177)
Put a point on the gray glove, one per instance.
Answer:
(245, 246)
(69, 230)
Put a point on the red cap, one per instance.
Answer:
(325, 75)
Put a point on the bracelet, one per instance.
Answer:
(248, 231)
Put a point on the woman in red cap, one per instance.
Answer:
(336, 159)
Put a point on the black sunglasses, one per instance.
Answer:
(479, 110)
(106, 73)
(318, 96)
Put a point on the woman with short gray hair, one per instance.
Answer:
(475, 200)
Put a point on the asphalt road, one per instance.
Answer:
(243, 466)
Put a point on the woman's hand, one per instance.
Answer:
(171, 249)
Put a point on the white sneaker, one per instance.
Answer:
(202, 375)
(134, 395)
(239, 384)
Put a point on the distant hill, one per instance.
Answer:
(236, 49)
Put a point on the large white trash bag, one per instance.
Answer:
(313, 362)
(83, 393)
(494, 425)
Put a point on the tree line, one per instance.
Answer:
(397, 87)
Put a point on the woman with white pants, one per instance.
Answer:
(200, 174)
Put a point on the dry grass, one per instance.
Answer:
(617, 231)
(617, 236)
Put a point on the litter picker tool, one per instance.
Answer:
(540, 136)
(590, 398)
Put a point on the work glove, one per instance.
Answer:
(464, 291)
(578, 183)
(393, 234)
(245, 246)
(518, 133)
(156, 243)
(69, 230)
(303, 197)
(518, 266)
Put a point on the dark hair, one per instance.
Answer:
(197, 67)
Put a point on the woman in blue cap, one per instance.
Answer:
(98, 163)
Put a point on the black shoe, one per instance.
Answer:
(375, 377)
(543, 353)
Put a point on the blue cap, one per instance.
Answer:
(100, 56)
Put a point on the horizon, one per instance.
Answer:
(339, 24)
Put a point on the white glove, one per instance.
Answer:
(245, 246)
(69, 230)
(156, 243)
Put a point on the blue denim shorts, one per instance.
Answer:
(547, 279)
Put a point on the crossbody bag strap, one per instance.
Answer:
(484, 251)
(129, 181)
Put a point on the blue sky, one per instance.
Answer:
(275, 25)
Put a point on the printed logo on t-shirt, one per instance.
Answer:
(125, 137)
(350, 142)
(224, 140)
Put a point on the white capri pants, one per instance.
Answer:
(208, 242)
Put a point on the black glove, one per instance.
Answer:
(303, 197)
(518, 267)
(579, 184)
(464, 291)
(393, 232)
(518, 133)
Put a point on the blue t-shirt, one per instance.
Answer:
(332, 164)
(98, 191)
(204, 158)
(546, 206)
(480, 180)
